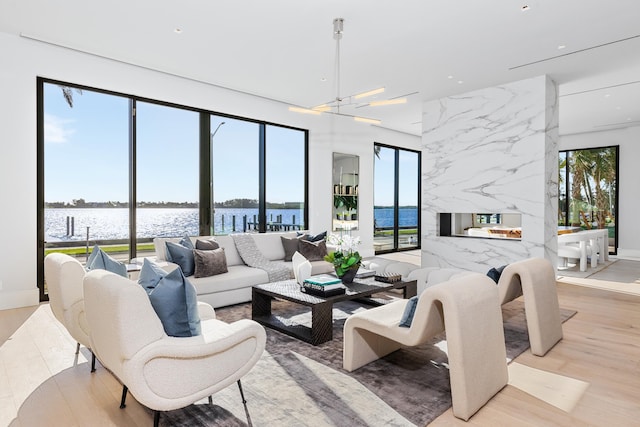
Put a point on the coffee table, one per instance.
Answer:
(321, 329)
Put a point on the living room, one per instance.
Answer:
(32, 55)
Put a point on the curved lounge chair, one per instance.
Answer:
(535, 279)
(469, 308)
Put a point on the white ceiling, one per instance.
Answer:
(280, 49)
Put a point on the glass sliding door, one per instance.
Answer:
(384, 192)
(588, 196)
(85, 171)
(236, 178)
(408, 199)
(285, 178)
(396, 199)
(167, 173)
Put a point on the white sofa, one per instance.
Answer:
(425, 277)
(234, 287)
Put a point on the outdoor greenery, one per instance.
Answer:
(80, 250)
(592, 191)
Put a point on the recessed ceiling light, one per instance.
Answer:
(323, 79)
(618, 108)
(524, 8)
(460, 82)
(628, 119)
(561, 46)
(449, 77)
(607, 95)
(178, 31)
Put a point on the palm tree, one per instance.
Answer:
(593, 173)
(67, 92)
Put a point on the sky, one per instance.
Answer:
(86, 155)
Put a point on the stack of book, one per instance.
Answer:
(323, 285)
(388, 277)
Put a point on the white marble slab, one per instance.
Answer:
(493, 150)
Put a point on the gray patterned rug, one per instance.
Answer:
(297, 384)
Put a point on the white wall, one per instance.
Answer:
(24, 60)
(628, 196)
(493, 150)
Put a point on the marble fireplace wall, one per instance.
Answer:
(491, 150)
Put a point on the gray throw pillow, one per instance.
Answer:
(290, 245)
(209, 262)
(207, 244)
(313, 251)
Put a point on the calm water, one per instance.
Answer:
(152, 222)
(407, 217)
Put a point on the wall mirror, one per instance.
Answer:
(345, 191)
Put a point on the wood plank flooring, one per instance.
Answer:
(42, 381)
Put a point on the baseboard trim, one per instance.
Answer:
(18, 299)
(633, 254)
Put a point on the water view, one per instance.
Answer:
(113, 223)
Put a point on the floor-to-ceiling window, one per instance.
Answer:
(285, 178)
(117, 170)
(396, 199)
(235, 147)
(86, 163)
(167, 172)
(588, 196)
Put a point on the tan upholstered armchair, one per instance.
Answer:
(162, 372)
(64, 275)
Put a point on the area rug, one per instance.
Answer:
(298, 384)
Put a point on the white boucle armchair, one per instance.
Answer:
(162, 372)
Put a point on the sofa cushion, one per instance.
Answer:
(99, 259)
(209, 262)
(182, 255)
(313, 251)
(237, 277)
(270, 244)
(207, 244)
(230, 250)
(173, 298)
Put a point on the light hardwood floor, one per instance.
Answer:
(43, 384)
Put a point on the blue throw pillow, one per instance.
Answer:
(181, 253)
(495, 273)
(173, 298)
(409, 311)
(99, 259)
